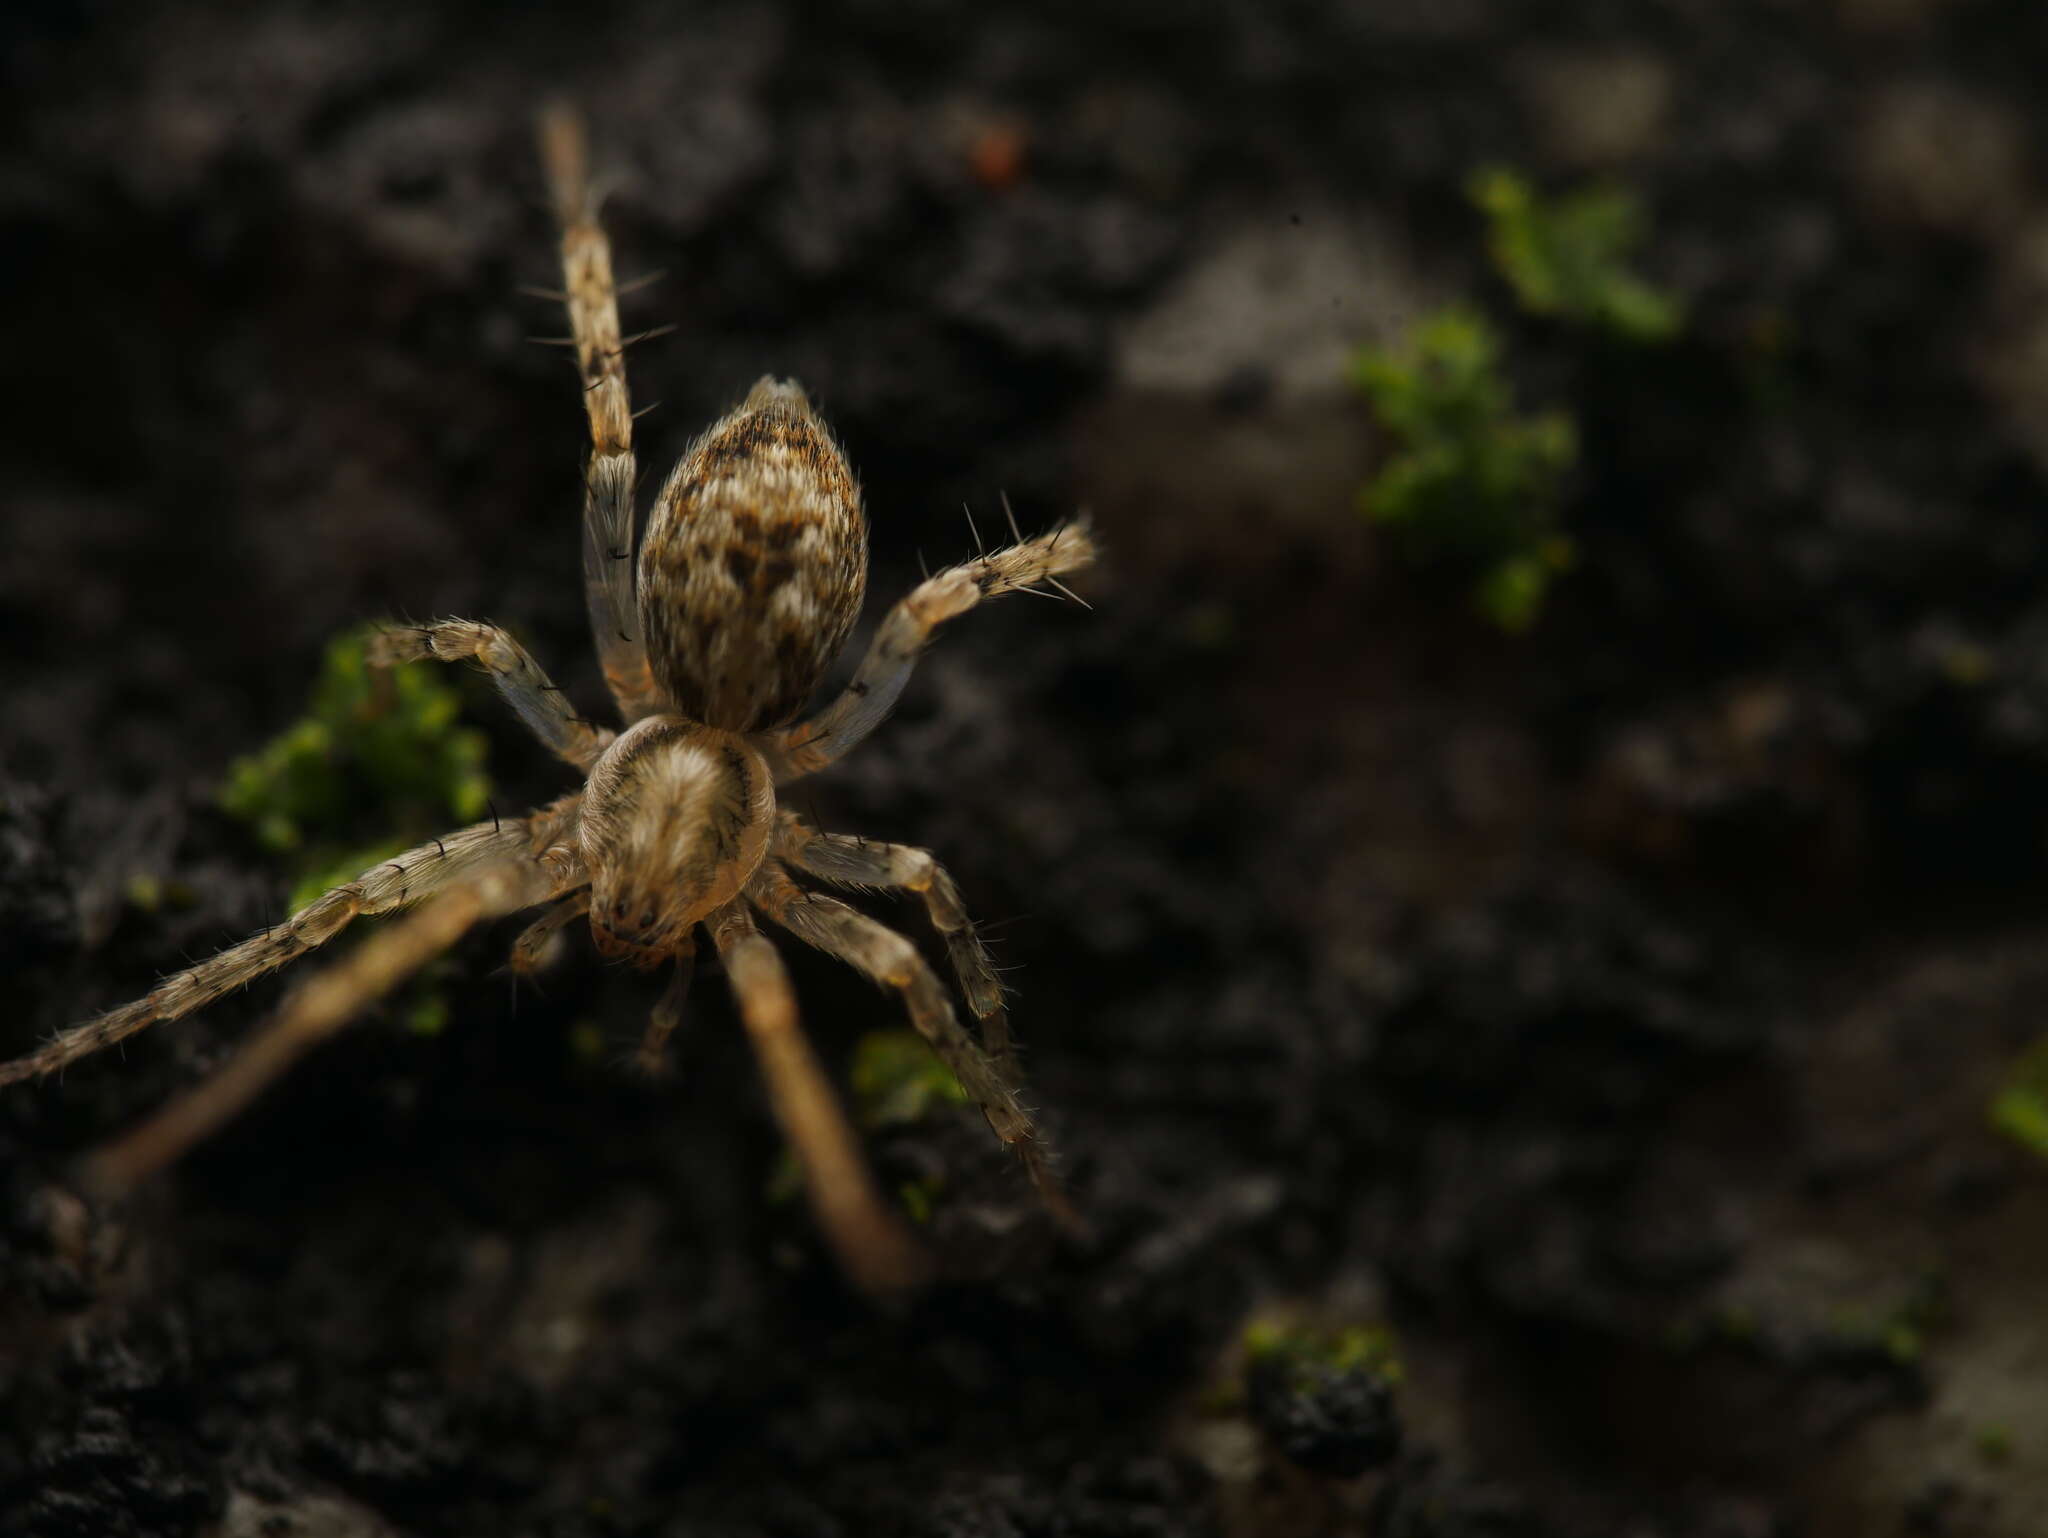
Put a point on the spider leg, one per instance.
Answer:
(315, 1010)
(533, 939)
(405, 879)
(668, 1013)
(610, 476)
(848, 861)
(892, 961)
(826, 737)
(528, 690)
(871, 1241)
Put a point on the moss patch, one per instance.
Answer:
(1473, 486)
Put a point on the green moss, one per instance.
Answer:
(1309, 1350)
(1569, 256)
(150, 893)
(1994, 1443)
(2020, 1108)
(897, 1079)
(1472, 486)
(375, 748)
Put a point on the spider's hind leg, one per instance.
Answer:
(848, 861)
(883, 955)
(871, 1241)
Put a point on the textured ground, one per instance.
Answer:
(1611, 1013)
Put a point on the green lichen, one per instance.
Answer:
(2020, 1108)
(1472, 486)
(1569, 256)
(897, 1080)
(375, 747)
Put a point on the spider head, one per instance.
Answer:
(675, 820)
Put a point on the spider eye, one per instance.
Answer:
(647, 919)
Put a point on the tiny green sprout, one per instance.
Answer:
(1472, 486)
(896, 1080)
(2020, 1108)
(372, 743)
(1994, 1442)
(1569, 256)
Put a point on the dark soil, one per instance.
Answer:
(1611, 1013)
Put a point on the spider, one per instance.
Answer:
(746, 584)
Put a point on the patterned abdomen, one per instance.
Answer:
(754, 564)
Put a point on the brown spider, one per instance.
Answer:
(749, 578)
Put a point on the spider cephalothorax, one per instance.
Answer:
(748, 581)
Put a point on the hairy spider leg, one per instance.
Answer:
(611, 474)
(528, 690)
(827, 737)
(850, 861)
(321, 1006)
(870, 1240)
(888, 959)
(404, 879)
(532, 942)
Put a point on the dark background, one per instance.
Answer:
(1611, 1012)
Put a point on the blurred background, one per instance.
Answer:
(1526, 885)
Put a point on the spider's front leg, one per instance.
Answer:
(528, 690)
(610, 475)
(406, 878)
(810, 745)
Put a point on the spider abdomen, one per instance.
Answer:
(754, 564)
(676, 818)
